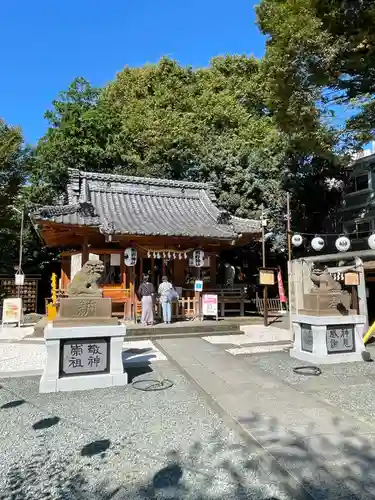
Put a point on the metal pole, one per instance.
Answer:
(20, 251)
(289, 240)
(288, 226)
(265, 288)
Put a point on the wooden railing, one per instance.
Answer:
(274, 305)
(187, 306)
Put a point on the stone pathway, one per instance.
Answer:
(320, 447)
(254, 339)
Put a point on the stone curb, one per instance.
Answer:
(21, 374)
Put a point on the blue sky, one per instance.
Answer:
(46, 44)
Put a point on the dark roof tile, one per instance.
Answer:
(144, 206)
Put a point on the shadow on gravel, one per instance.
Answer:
(136, 371)
(45, 423)
(327, 467)
(95, 448)
(13, 404)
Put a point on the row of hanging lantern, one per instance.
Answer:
(166, 255)
(131, 256)
(342, 243)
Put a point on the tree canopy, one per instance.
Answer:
(13, 173)
(213, 124)
(324, 49)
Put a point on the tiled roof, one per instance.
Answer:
(144, 206)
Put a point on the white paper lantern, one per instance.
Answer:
(371, 242)
(198, 258)
(317, 243)
(342, 244)
(297, 240)
(130, 255)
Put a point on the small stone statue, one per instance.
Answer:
(85, 282)
(327, 296)
(324, 281)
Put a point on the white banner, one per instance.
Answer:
(94, 256)
(75, 265)
(115, 259)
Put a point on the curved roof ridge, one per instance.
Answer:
(141, 180)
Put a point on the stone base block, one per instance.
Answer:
(60, 322)
(83, 357)
(328, 339)
(85, 307)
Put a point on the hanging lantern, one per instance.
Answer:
(130, 255)
(317, 243)
(198, 258)
(297, 240)
(371, 242)
(149, 254)
(342, 244)
(185, 255)
(169, 255)
(180, 256)
(158, 255)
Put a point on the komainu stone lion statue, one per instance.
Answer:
(324, 281)
(85, 282)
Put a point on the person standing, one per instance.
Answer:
(164, 291)
(146, 293)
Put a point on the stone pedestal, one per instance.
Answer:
(83, 357)
(328, 339)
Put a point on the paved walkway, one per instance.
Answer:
(319, 446)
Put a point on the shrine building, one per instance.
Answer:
(105, 216)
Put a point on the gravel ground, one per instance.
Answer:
(125, 444)
(349, 386)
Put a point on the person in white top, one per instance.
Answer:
(164, 290)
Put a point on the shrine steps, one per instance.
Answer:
(183, 329)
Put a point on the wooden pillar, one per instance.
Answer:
(179, 272)
(213, 270)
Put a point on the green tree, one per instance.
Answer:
(322, 50)
(76, 138)
(215, 124)
(14, 164)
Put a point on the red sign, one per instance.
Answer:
(281, 287)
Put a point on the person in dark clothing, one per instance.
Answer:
(146, 293)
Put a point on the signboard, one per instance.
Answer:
(198, 285)
(307, 340)
(351, 278)
(209, 305)
(84, 356)
(266, 277)
(12, 311)
(340, 339)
